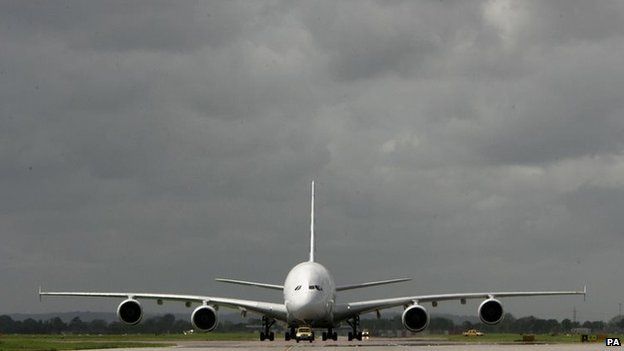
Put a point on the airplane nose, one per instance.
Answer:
(305, 307)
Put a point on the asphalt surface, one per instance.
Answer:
(372, 345)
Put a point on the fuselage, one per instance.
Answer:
(309, 296)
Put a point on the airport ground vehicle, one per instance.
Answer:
(304, 333)
(472, 332)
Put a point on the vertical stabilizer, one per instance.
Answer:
(312, 225)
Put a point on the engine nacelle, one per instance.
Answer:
(130, 312)
(415, 318)
(205, 318)
(491, 311)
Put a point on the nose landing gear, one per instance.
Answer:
(267, 323)
(355, 334)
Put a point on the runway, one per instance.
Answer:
(369, 345)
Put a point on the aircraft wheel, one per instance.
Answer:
(359, 336)
(324, 336)
(287, 336)
(297, 340)
(262, 336)
(272, 336)
(335, 336)
(350, 336)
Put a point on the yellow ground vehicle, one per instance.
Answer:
(304, 333)
(472, 332)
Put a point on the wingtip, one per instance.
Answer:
(39, 293)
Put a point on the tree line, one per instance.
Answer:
(165, 324)
(509, 324)
(168, 324)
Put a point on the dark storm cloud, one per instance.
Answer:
(370, 38)
(122, 26)
(472, 145)
(595, 209)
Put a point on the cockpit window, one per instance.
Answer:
(298, 287)
(318, 288)
(313, 287)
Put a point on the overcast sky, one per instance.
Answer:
(155, 146)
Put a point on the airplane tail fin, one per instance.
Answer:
(312, 226)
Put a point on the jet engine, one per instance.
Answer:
(205, 318)
(491, 311)
(415, 318)
(130, 312)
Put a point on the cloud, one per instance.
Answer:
(475, 141)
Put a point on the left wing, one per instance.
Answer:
(244, 282)
(274, 310)
(344, 311)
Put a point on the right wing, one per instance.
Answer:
(273, 310)
(348, 310)
(366, 285)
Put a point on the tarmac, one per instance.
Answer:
(377, 344)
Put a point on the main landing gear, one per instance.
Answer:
(354, 323)
(267, 323)
(330, 335)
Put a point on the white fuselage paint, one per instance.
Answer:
(310, 306)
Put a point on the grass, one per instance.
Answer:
(513, 338)
(28, 343)
(85, 342)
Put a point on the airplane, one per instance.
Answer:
(310, 300)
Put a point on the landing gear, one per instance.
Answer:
(355, 334)
(330, 335)
(267, 323)
(289, 334)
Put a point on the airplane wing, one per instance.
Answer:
(366, 285)
(244, 282)
(348, 310)
(273, 310)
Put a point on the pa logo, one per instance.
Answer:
(612, 342)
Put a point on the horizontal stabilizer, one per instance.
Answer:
(243, 282)
(369, 284)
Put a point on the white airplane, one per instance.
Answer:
(310, 300)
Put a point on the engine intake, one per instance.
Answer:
(130, 312)
(205, 318)
(491, 311)
(415, 318)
